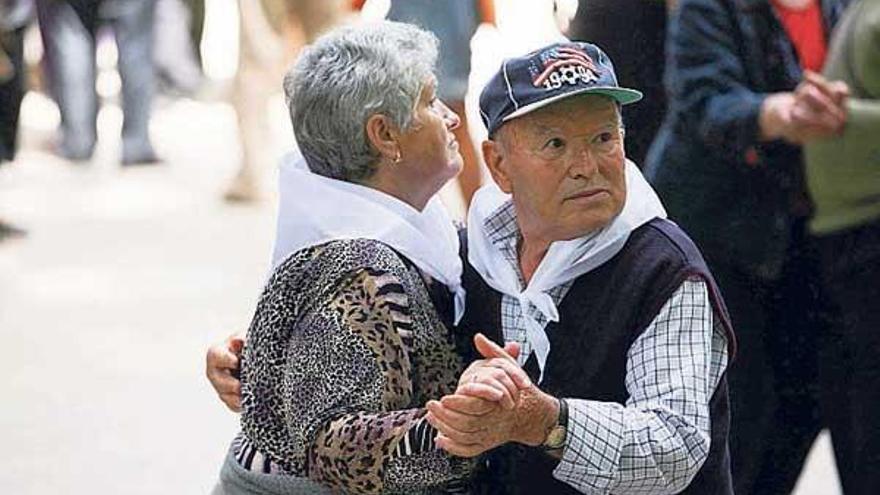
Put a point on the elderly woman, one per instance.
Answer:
(351, 336)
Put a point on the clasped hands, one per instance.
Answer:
(495, 403)
(816, 109)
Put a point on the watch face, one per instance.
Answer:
(556, 438)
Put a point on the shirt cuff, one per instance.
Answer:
(593, 446)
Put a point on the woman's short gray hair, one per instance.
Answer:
(345, 77)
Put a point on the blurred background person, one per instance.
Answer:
(196, 11)
(69, 29)
(633, 32)
(15, 15)
(178, 68)
(454, 22)
(271, 33)
(727, 162)
(843, 173)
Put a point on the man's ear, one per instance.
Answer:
(383, 136)
(497, 162)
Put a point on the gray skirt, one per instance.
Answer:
(236, 480)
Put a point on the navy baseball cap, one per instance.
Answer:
(525, 84)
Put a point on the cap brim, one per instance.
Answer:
(624, 96)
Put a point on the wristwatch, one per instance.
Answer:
(556, 438)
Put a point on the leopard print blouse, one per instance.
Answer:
(343, 352)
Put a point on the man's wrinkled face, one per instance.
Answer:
(564, 166)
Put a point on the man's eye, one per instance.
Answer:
(604, 137)
(554, 143)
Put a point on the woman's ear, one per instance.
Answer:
(497, 163)
(383, 136)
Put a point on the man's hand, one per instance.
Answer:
(471, 422)
(469, 425)
(221, 366)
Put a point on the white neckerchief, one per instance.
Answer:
(314, 209)
(564, 261)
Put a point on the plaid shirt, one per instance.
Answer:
(660, 438)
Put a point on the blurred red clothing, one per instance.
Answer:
(805, 29)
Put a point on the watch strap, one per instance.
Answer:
(556, 436)
(563, 414)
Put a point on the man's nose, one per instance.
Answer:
(582, 164)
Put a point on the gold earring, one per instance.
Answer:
(397, 158)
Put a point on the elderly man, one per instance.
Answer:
(619, 321)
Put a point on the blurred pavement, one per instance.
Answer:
(108, 305)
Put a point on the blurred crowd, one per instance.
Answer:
(760, 130)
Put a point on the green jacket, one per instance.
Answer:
(843, 173)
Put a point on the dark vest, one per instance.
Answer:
(601, 316)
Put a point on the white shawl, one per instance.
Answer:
(314, 209)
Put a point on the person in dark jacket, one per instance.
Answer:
(743, 96)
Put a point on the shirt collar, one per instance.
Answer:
(501, 227)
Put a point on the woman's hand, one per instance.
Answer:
(497, 377)
(222, 365)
